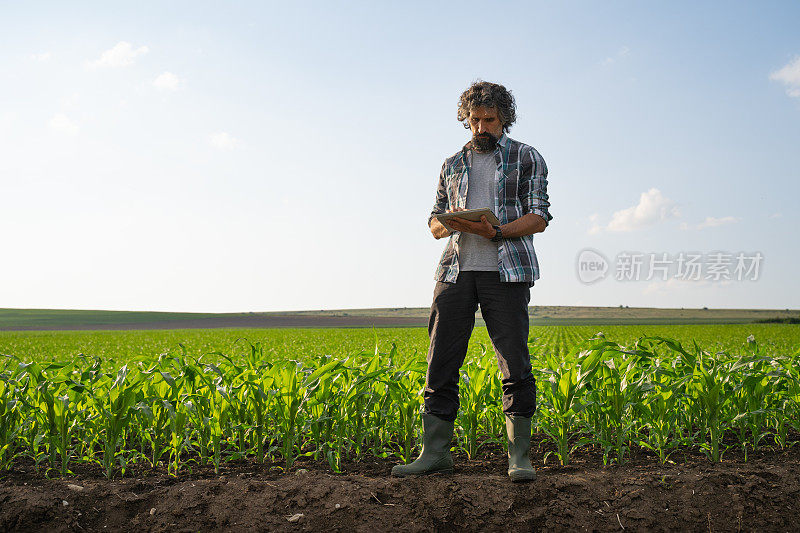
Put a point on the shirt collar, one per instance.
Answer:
(503, 140)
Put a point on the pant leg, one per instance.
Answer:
(449, 327)
(504, 307)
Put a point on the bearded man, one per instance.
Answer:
(486, 265)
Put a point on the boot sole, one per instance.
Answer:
(522, 478)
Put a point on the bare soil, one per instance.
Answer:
(760, 494)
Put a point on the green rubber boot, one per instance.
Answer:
(519, 445)
(435, 456)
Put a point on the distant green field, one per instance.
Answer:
(304, 343)
(70, 317)
(67, 319)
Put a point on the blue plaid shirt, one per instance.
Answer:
(521, 180)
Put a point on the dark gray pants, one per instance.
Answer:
(504, 307)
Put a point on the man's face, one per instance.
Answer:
(486, 128)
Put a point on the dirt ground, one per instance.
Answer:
(762, 494)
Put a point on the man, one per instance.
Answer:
(490, 266)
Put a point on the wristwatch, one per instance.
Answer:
(497, 236)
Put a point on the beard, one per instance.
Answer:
(484, 142)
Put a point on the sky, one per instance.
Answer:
(259, 156)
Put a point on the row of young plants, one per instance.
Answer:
(659, 395)
(178, 410)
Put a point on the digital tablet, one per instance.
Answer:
(469, 214)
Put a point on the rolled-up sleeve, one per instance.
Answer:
(533, 187)
(440, 206)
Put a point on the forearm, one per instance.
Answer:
(525, 225)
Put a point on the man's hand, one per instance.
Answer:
(438, 229)
(482, 228)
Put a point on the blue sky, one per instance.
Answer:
(249, 156)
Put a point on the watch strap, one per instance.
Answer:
(499, 235)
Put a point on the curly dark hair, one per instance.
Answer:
(487, 94)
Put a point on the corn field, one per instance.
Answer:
(179, 409)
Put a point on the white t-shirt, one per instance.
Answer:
(476, 252)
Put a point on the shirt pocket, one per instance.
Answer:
(453, 176)
(453, 184)
(512, 171)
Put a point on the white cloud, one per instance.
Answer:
(653, 207)
(61, 123)
(44, 56)
(167, 81)
(224, 141)
(621, 53)
(776, 215)
(121, 55)
(789, 75)
(713, 222)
